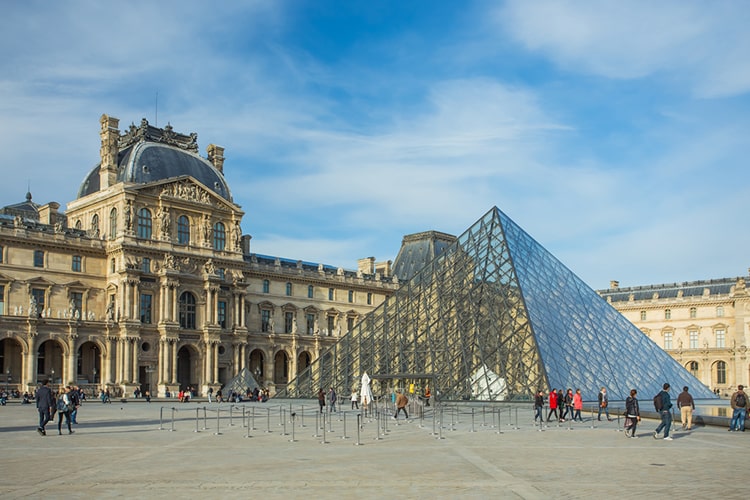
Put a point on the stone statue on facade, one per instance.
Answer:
(32, 308)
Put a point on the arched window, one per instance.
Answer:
(187, 311)
(693, 368)
(220, 236)
(183, 230)
(113, 224)
(721, 372)
(144, 223)
(78, 224)
(95, 223)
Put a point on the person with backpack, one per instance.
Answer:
(64, 408)
(739, 405)
(632, 414)
(663, 406)
(686, 405)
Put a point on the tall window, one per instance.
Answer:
(113, 224)
(38, 295)
(146, 265)
(38, 258)
(2, 300)
(77, 299)
(265, 320)
(76, 266)
(720, 338)
(349, 324)
(221, 273)
(693, 368)
(146, 302)
(2, 249)
(187, 311)
(112, 265)
(144, 223)
(693, 339)
(310, 320)
(667, 314)
(667, 340)
(220, 236)
(183, 230)
(289, 289)
(266, 286)
(331, 324)
(693, 312)
(95, 224)
(369, 298)
(310, 291)
(222, 313)
(288, 322)
(721, 372)
(330, 294)
(643, 315)
(351, 296)
(719, 311)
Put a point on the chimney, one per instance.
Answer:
(110, 136)
(216, 157)
(613, 284)
(366, 265)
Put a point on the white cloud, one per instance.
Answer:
(704, 44)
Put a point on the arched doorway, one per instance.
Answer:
(256, 365)
(11, 363)
(89, 369)
(303, 361)
(281, 368)
(49, 362)
(188, 372)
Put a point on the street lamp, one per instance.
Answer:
(7, 379)
(94, 381)
(52, 372)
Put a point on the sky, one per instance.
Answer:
(614, 133)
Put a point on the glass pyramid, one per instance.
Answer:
(495, 316)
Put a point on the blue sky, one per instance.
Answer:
(615, 133)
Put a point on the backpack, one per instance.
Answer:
(740, 401)
(61, 406)
(658, 402)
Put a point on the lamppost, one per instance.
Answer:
(94, 381)
(7, 380)
(257, 375)
(52, 375)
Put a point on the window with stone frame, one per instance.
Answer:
(331, 323)
(310, 323)
(667, 314)
(720, 337)
(349, 323)
(76, 263)
(183, 230)
(220, 236)
(38, 258)
(113, 224)
(222, 313)
(351, 296)
(146, 306)
(310, 291)
(145, 224)
(369, 298)
(265, 320)
(721, 372)
(693, 368)
(289, 289)
(266, 286)
(643, 315)
(187, 311)
(288, 321)
(693, 339)
(2, 300)
(2, 251)
(331, 294)
(39, 295)
(693, 312)
(719, 311)
(146, 265)
(667, 340)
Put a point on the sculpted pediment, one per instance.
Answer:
(186, 188)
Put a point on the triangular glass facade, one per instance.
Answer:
(495, 316)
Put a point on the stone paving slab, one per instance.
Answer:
(118, 450)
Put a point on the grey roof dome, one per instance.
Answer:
(149, 154)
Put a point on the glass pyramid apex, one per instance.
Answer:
(495, 316)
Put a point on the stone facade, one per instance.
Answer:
(147, 281)
(702, 324)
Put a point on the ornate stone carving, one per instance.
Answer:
(186, 190)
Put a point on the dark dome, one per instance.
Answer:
(145, 162)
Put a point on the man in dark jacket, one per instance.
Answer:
(666, 414)
(45, 404)
(739, 407)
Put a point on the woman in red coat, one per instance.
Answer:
(577, 405)
(552, 405)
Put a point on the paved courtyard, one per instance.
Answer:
(126, 450)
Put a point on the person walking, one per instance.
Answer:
(577, 405)
(665, 411)
(45, 405)
(64, 408)
(560, 403)
(427, 395)
(332, 398)
(552, 405)
(321, 399)
(355, 399)
(568, 404)
(401, 402)
(75, 398)
(632, 414)
(686, 405)
(604, 403)
(739, 405)
(539, 405)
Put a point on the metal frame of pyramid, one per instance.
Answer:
(495, 316)
(240, 384)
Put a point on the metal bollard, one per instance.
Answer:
(268, 420)
(484, 419)
(173, 410)
(592, 418)
(231, 407)
(243, 416)
(252, 419)
(196, 420)
(317, 424)
(434, 413)
(359, 426)
(516, 427)
(472, 419)
(499, 421)
(324, 429)
(344, 436)
(161, 418)
(302, 416)
(377, 428)
(283, 414)
(218, 416)
(293, 416)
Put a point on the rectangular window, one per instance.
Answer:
(310, 318)
(720, 338)
(331, 324)
(146, 265)
(221, 273)
(351, 296)
(310, 291)
(720, 311)
(2, 300)
(2, 250)
(146, 302)
(667, 340)
(349, 324)
(265, 318)
(266, 286)
(222, 313)
(38, 295)
(289, 289)
(77, 300)
(643, 315)
(369, 298)
(76, 263)
(288, 322)
(330, 294)
(693, 339)
(693, 312)
(667, 314)
(38, 258)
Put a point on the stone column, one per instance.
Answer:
(71, 364)
(173, 348)
(135, 378)
(29, 362)
(126, 361)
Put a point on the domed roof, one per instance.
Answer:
(148, 154)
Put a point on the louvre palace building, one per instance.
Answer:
(146, 280)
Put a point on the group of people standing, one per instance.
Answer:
(561, 404)
(65, 404)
